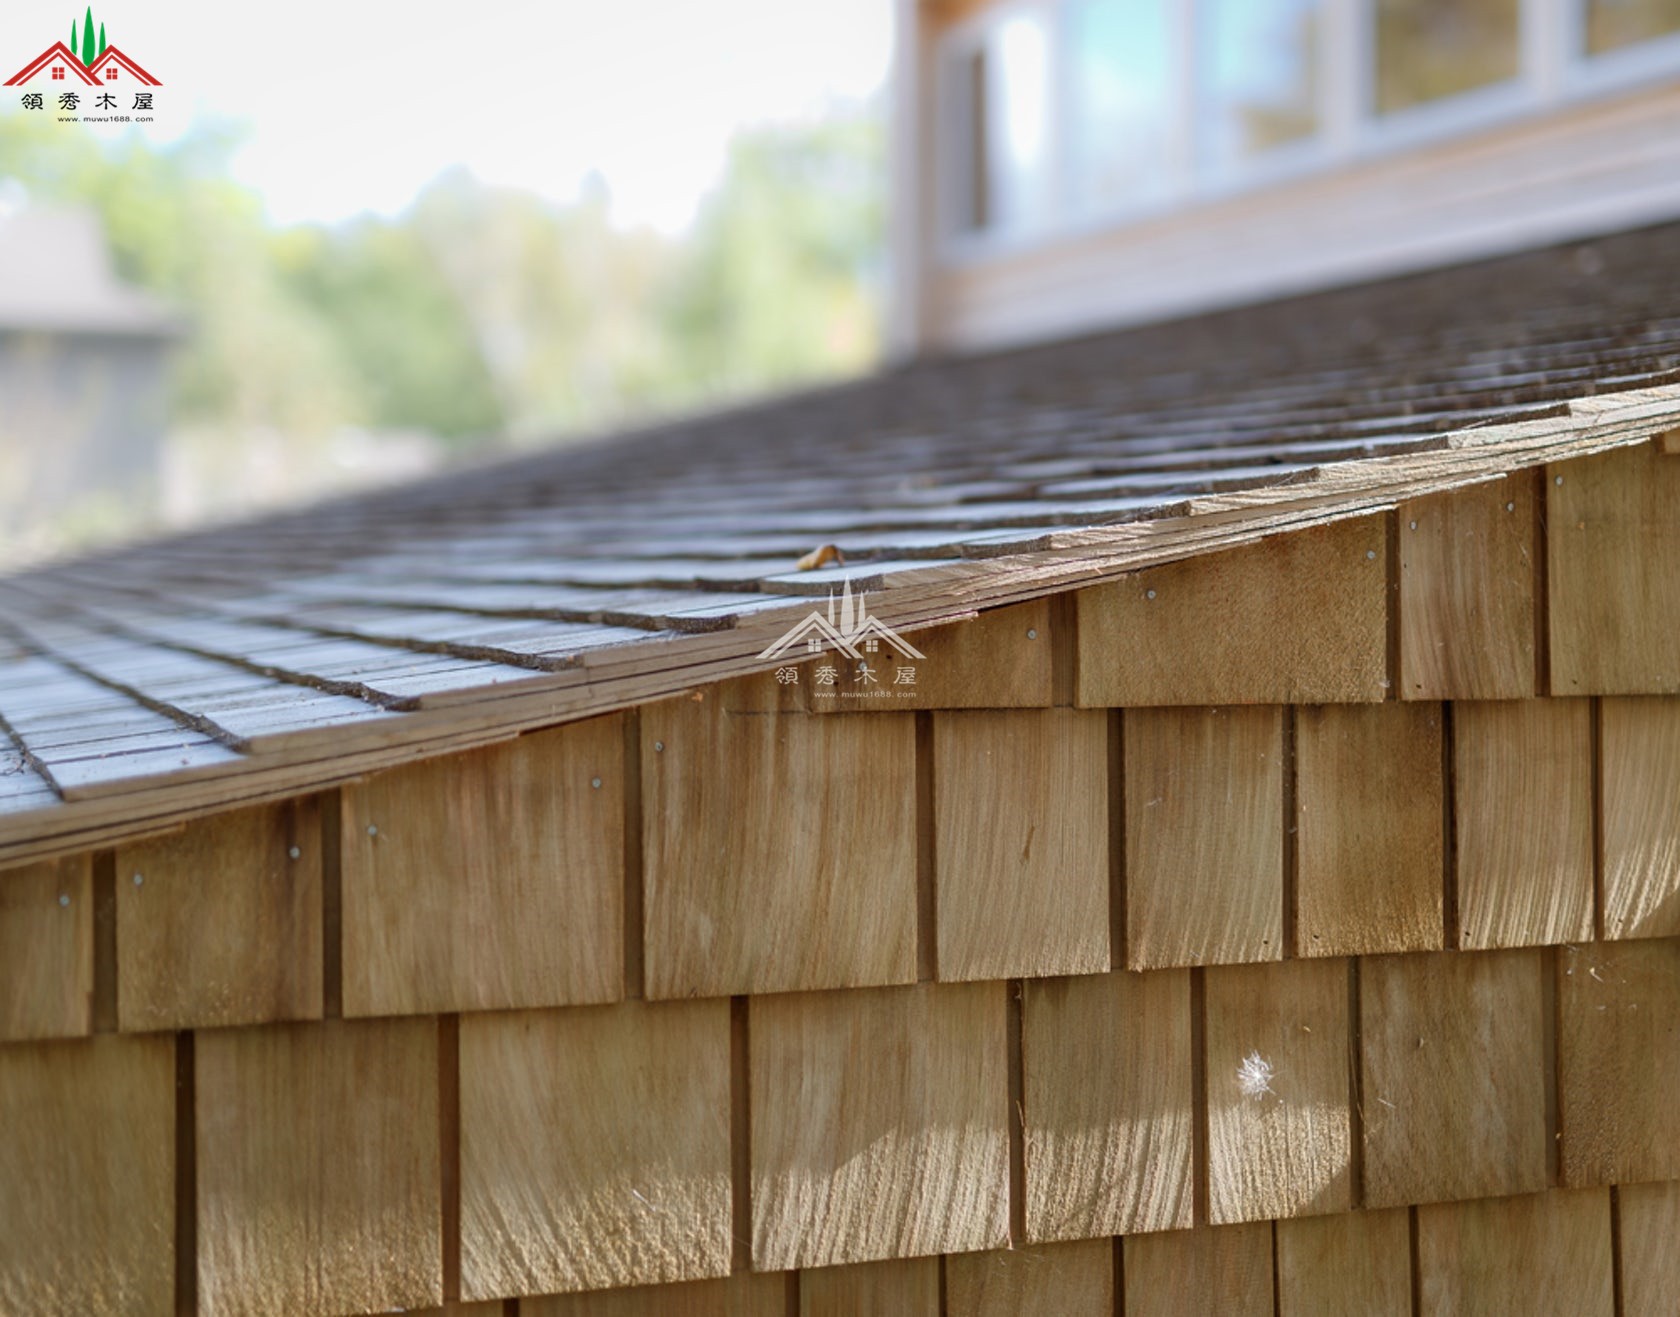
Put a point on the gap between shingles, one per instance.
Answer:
(104, 1002)
(1200, 1189)
(1542, 588)
(1451, 917)
(332, 905)
(1016, 1008)
(1291, 854)
(1391, 566)
(186, 1179)
(449, 1148)
(1119, 1266)
(1549, 1025)
(1356, 1089)
(1117, 924)
(740, 1137)
(1595, 771)
(1416, 1269)
(634, 954)
(1617, 1303)
(927, 896)
(1064, 649)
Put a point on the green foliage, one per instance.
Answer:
(89, 54)
(73, 38)
(480, 310)
(102, 38)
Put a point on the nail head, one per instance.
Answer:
(1148, 594)
(138, 879)
(64, 898)
(373, 831)
(658, 745)
(1032, 633)
(595, 782)
(295, 853)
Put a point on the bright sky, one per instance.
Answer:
(355, 105)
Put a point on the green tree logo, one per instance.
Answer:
(89, 50)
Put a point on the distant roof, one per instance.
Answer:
(276, 656)
(56, 276)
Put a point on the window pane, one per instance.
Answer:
(1018, 128)
(1120, 140)
(1258, 84)
(1613, 23)
(1427, 49)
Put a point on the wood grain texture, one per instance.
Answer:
(1021, 842)
(594, 1147)
(488, 880)
(1542, 1252)
(318, 1168)
(1279, 1123)
(1523, 813)
(805, 878)
(87, 1161)
(1294, 619)
(1369, 829)
(1352, 1263)
(1191, 1273)
(1619, 1061)
(1453, 1076)
(220, 923)
(749, 1295)
(1613, 571)
(1204, 836)
(1071, 1280)
(1107, 1099)
(907, 1286)
(879, 1124)
(1650, 1221)
(46, 949)
(1467, 574)
(998, 660)
(1640, 745)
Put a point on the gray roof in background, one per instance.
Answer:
(56, 276)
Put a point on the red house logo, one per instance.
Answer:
(87, 59)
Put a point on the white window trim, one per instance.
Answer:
(1554, 71)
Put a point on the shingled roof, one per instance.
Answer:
(249, 662)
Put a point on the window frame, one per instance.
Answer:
(1554, 71)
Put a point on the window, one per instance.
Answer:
(1612, 24)
(999, 114)
(110, 73)
(1257, 76)
(58, 73)
(1120, 139)
(1056, 113)
(1431, 49)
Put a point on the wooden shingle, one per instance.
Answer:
(87, 1175)
(1523, 812)
(1204, 836)
(594, 1147)
(1295, 619)
(1279, 1125)
(1541, 1252)
(1453, 1076)
(1613, 570)
(998, 660)
(1640, 745)
(1072, 1280)
(220, 923)
(1021, 842)
(806, 880)
(488, 880)
(879, 1123)
(318, 1168)
(1467, 570)
(1190, 1273)
(907, 1286)
(1650, 1223)
(1369, 829)
(1619, 1061)
(746, 1295)
(1349, 1262)
(1107, 1101)
(46, 949)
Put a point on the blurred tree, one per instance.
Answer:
(89, 54)
(781, 282)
